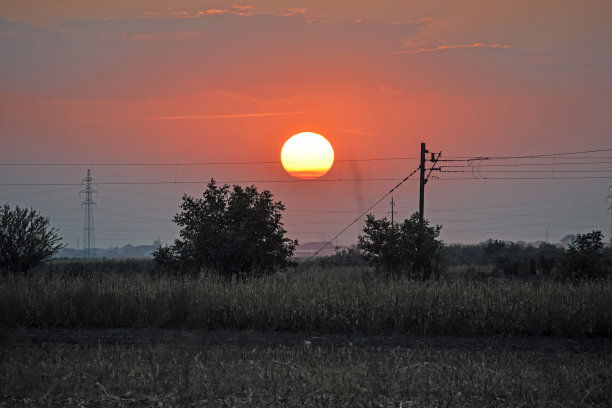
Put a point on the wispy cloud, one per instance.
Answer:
(294, 12)
(216, 11)
(356, 132)
(244, 11)
(195, 117)
(451, 47)
(226, 116)
(179, 35)
(245, 7)
(236, 10)
(186, 14)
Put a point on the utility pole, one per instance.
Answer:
(422, 182)
(89, 234)
(424, 178)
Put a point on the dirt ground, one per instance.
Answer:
(247, 338)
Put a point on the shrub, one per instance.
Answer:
(26, 239)
(345, 257)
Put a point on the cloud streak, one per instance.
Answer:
(451, 47)
(174, 36)
(195, 117)
(236, 10)
(226, 116)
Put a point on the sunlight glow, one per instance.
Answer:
(307, 155)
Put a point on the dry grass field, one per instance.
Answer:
(320, 338)
(304, 375)
(320, 300)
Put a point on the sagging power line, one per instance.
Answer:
(363, 213)
(422, 168)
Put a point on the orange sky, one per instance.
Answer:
(191, 81)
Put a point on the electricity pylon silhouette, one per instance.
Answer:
(89, 233)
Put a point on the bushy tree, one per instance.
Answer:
(583, 258)
(409, 248)
(230, 231)
(26, 239)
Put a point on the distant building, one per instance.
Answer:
(310, 248)
(568, 239)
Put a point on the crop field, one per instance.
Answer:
(320, 300)
(314, 337)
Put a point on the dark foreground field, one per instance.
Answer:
(127, 367)
(317, 338)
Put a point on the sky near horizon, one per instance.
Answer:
(181, 83)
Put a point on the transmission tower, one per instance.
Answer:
(89, 233)
(392, 212)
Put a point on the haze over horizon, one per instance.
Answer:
(158, 97)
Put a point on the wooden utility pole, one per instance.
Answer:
(422, 183)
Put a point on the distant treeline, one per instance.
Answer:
(488, 259)
(491, 258)
(512, 259)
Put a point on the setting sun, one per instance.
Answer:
(307, 155)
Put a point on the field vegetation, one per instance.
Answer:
(132, 333)
(328, 300)
(228, 376)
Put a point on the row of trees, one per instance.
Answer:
(586, 257)
(239, 231)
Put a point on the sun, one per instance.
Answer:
(307, 155)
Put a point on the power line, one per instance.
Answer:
(527, 156)
(535, 164)
(529, 171)
(363, 213)
(232, 163)
(523, 178)
(308, 181)
(204, 182)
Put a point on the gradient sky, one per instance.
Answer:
(187, 81)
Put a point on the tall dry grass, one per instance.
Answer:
(324, 300)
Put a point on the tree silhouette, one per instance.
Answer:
(409, 248)
(26, 239)
(583, 258)
(232, 232)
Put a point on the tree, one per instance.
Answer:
(583, 258)
(409, 248)
(237, 231)
(26, 239)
